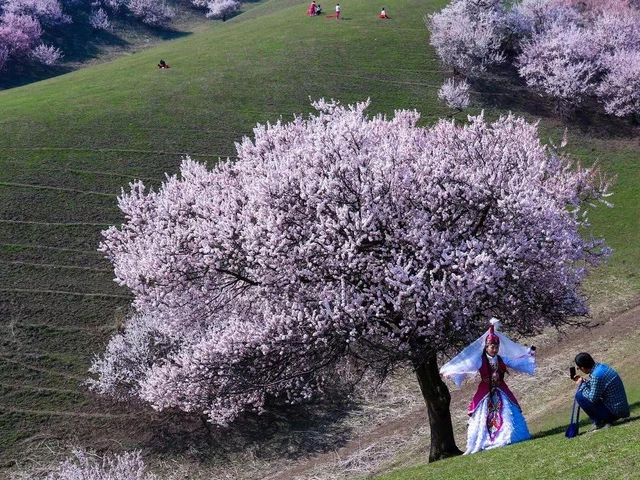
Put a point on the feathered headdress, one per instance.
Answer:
(468, 361)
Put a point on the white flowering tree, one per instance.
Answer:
(222, 9)
(563, 62)
(468, 35)
(340, 240)
(619, 90)
(455, 94)
(151, 12)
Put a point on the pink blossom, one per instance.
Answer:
(48, 12)
(99, 20)
(468, 35)
(561, 61)
(19, 33)
(87, 466)
(564, 49)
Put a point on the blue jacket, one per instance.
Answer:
(605, 385)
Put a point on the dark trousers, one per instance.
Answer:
(597, 412)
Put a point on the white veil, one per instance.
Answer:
(468, 361)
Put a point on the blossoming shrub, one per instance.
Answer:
(85, 466)
(455, 94)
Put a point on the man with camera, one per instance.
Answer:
(601, 396)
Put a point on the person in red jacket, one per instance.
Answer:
(383, 13)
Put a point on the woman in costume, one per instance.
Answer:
(311, 11)
(495, 416)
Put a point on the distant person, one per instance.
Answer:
(337, 14)
(602, 396)
(383, 13)
(311, 11)
(163, 64)
(318, 9)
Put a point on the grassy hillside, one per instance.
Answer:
(610, 454)
(68, 145)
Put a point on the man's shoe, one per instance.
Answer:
(595, 427)
(599, 426)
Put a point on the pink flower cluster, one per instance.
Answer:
(468, 35)
(594, 51)
(151, 12)
(340, 239)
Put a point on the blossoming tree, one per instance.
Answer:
(340, 242)
(468, 35)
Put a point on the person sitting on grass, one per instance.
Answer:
(383, 13)
(163, 64)
(318, 9)
(602, 396)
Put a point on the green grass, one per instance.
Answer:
(86, 134)
(611, 454)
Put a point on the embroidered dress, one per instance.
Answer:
(495, 416)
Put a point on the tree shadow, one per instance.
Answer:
(291, 432)
(584, 422)
(504, 89)
(30, 72)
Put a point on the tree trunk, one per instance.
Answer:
(207, 428)
(436, 396)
